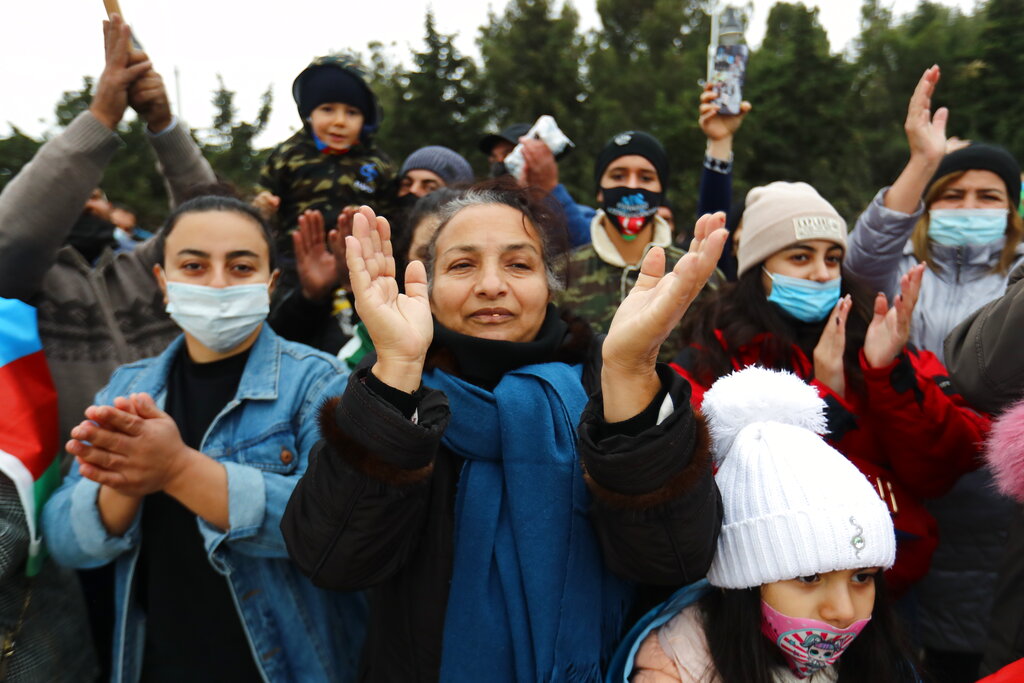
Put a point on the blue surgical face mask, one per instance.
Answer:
(221, 318)
(958, 227)
(805, 300)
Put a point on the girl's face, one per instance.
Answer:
(215, 249)
(975, 189)
(421, 235)
(489, 276)
(817, 260)
(838, 598)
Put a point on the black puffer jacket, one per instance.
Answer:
(375, 509)
(987, 367)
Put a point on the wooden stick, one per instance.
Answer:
(113, 6)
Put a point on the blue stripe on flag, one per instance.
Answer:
(19, 335)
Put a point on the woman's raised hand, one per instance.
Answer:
(715, 126)
(829, 368)
(400, 325)
(889, 330)
(926, 133)
(927, 137)
(648, 315)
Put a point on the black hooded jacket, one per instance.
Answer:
(375, 510)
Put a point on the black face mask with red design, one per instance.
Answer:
(630, 209)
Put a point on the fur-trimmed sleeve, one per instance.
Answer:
(358, 511)
(657, 509)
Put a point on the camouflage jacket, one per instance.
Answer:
(306, 178)
(599, 280)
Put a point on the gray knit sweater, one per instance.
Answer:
(92, 319)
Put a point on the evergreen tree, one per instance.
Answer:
(532, 58)
(803, 124)
(891, 56)
(16, 150)
(437, 102)
(997, 116)
(643, 72)
(229, 146)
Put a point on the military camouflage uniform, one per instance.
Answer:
(596, 287)
(306, 178)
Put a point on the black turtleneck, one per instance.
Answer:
(484, 362)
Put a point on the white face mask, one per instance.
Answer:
(221, 318)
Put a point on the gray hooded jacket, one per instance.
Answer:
(955, 598)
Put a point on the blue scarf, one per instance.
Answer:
(530, 598)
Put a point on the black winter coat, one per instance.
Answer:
(375, 509)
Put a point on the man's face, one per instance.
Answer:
(419, 182)
(500, 151)
(632, 171)
(98, 205)
(123, 219)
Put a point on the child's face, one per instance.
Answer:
(838, 598)
(337, 124)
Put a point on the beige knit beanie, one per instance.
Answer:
(793, 505)
(780, 214)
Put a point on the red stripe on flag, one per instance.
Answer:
(28, 412)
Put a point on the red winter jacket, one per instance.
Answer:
(909, 433)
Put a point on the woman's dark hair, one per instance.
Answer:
(742, 654)
(217, 203)
(537, 208)
(741, 312)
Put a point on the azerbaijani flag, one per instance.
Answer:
(28, 418)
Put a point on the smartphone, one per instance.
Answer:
(728, 54)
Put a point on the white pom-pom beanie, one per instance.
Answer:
(794, 506)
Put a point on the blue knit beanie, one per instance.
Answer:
(451, 166)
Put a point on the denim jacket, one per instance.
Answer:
(262, 437)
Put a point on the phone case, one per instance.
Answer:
(730, 71)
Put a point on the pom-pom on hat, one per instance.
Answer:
(451, 166)
(1004, 451)
(794, 506)
(779, 215)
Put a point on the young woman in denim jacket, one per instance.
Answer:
(184, 466)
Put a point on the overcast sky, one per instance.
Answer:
(46, 47)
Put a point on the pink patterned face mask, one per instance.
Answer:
(809, 645)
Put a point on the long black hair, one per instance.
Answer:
(741, 312)
(742, 654)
